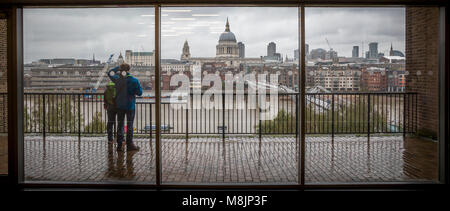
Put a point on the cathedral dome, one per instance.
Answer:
(227, 46)
(227, 36)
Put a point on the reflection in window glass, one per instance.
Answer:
(365, 101)
(229, 92)
(67, 54)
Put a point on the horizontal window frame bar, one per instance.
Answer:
(168, 186)
(177, 3)
(337, 5)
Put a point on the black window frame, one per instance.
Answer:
(14, 10)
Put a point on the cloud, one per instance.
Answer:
(346, 27)
(78, 33)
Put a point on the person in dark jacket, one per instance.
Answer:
(109, 99)
(127, 88)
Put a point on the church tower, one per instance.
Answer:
(185, 55)
(120, 59)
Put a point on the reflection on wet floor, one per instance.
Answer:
(383, 159)
(237, 160)
(117, 167)
(3, 154)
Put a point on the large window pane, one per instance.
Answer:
(229, 94)
(371, 94)
(67, 53)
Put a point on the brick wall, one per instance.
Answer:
(3, 80)
(3, 102)
(3, 54)
(422, 25)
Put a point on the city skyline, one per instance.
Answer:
(359, 54)
(115, 34)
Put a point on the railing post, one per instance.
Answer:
(260, 124)
(415, 110)
(404, 114)
(332, 116)
(151, 124)
(187, 119)
(79, 119)
(43, 116)
(296, 116)
(368, 117)
(223, 116)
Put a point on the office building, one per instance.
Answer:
(271, 49)
(355, 52)
(241, 47)
(373, 50)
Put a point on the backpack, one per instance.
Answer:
(110, 93)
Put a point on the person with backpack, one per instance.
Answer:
(109, 99)
(127, 88)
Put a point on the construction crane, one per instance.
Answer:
(102, 74)
(328, 44)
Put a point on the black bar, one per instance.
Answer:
(260, 124)
(368, 117)
(302, 77)
(332, 117)
(404, 115)
(187, 122)
(296, 116)
(151, 124)
(15, 94)
(158, 92)
(223, 116)
(43, 116)
(79, 119)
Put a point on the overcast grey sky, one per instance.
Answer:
(78, 33)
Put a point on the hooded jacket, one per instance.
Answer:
(127, 88)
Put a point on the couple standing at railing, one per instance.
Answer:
(120, 100)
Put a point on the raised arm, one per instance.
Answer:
(138, 88)
(115, 76)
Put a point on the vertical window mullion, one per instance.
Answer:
(157, 9)
(301, 81)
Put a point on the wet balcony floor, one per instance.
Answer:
(3, 153)
(238, 160)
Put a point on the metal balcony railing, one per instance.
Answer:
(325, 113)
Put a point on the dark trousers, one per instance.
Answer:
(120, 119)
(112, 112)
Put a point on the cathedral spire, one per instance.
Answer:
(227, 26)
